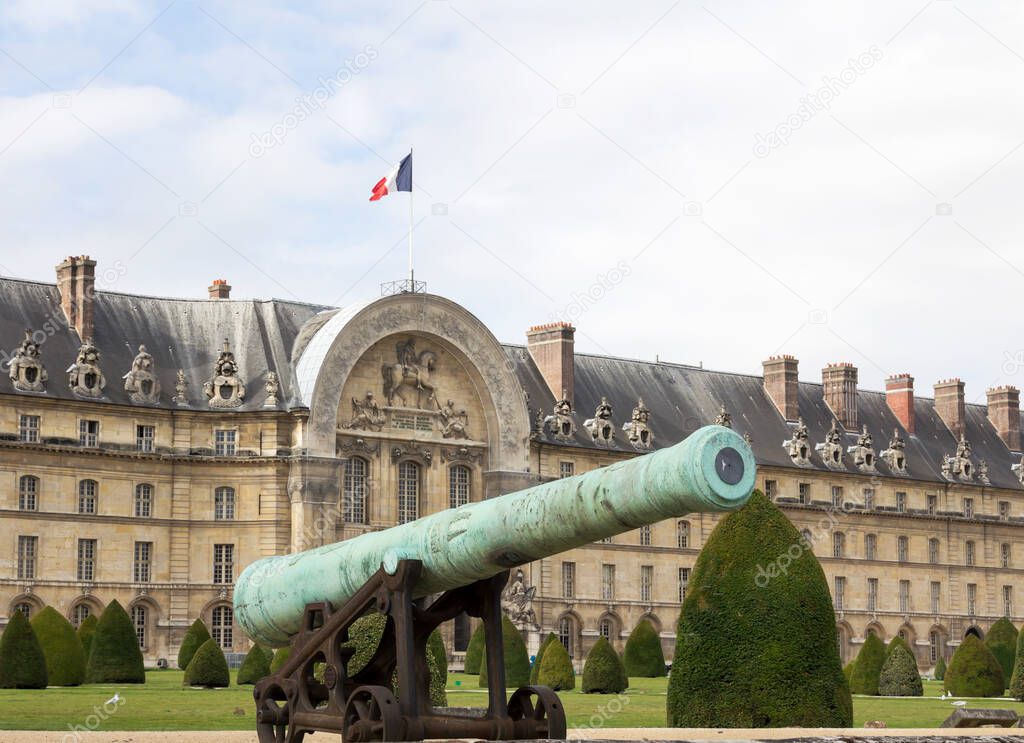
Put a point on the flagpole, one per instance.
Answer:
(412, 279)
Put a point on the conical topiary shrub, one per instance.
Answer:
(208, 667)
(848, 671)
(974, 671)
(556, 668)
(22, 663)
(897, 640)
(517, 660)
(602, 671)
(643, 656)
(1002, 641)
(899, 676)
(535, 668)
(280, 657)
(115, 657)
(475, 651)
(1017, 678)
(756, 640)
(65, 658)
(195, 637)
(868, 666)
(940, 668)
(255, 666)
(435, 646)
(85, 632)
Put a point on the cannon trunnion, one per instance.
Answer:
(312, 691)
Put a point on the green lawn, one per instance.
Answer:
(162, 704)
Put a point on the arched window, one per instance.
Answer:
(969, 553)
(139, 616)
(458, 486)
(934, 646)
(25, 608)
(221, 631)
(838, 544)
(144, 500)
(79, 614)
(683, 534)
(565, 634)
(224, 504)
(408, 491)
(605, 628)
(87, 492)
(902, 548)
(933, 551)
(28, 493)
(353, 507)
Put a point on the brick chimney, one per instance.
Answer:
(781, 383)
(551, 347)
(949, 404)
(899, 394)
(76, 282)
(839, 382)
(1004, 414)
(220, 289)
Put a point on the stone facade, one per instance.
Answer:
(236, 445)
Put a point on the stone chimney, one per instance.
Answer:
(899, 394)
(949, 404)
(551, 347)
(781, 384)
(1004, 414)
(76, 282)
(220, 289)
(839, 382)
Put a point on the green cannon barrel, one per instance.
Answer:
(711, 470)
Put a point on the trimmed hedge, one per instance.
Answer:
(848, 670)
(85, 632)
(868, 666)
(556, 668)
(255, 666)
(195, 637)
(603, 672)
(897, 640)
(756, 639)
(475, 651)
(436, 648)
(974, 671)
(22, 663)
(940, 669)
(517, 660)
(535, 668)
(280, 657)
(1002, 641)
(208, 667)
(115, 657)
(644, 656)
(1017, 679)
(899, 676)
(65, 658)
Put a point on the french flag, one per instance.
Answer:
(399, 179)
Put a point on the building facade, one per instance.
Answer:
(187, 438)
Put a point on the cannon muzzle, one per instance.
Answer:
(711, 470)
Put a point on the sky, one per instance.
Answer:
(701, 183)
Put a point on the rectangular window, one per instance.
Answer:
(901, 501)
(28, 429)
(141, 571)
(902, 548)
(1004, 509)
(933, 504)
(771, 488)
(904, 597)
(1004, 554)
(936, 597)
(840, 597)
(1007, 601)
(88, 433)
(969, 554)
(805, 492)
(869, 499)
(144, 437)
(870, 545)
(566, 469)
(972, 598)
(933, 551)
(568, 580)
(646, 582)
(608, 582)
(223, 563)
(872, 594)
(28, 493)
(837, 496)
(87, 559)
(645, 535)
(28, 548)
(684, 581)
(224, 442)
(408, 492)
(968, 508)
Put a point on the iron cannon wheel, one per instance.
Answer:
(273, 703)
(543, 719)
(371, 714)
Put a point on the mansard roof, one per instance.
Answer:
(683, 398)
